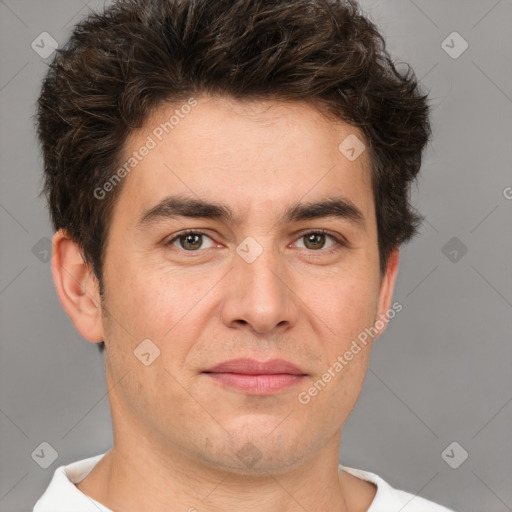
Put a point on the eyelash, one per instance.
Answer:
(340, 243)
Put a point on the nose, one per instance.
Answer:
(259, 294)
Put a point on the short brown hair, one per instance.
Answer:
(121, 64)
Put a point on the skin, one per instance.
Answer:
(176, 431)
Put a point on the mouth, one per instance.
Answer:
(256, 377)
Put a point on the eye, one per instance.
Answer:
(189, 240)
(315, 240)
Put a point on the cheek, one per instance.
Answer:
(146, 305)
(347, 306)
(348, 384)
(332, 394)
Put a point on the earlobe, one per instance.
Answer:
(77, 287)
(386, 290)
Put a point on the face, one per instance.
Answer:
(274, 279)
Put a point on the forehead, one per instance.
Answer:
(250, 155)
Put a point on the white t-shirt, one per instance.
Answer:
(62, 494)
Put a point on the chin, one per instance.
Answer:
(258, 447)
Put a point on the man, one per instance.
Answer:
(228, 182)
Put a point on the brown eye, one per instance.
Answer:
(316, 240)
(189, 241)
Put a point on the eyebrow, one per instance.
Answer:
(172, 207)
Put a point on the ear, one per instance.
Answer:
(77, 287)
(387, 286)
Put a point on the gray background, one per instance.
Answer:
(441, 371)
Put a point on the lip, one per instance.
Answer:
(253, 367)
(257, 377)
